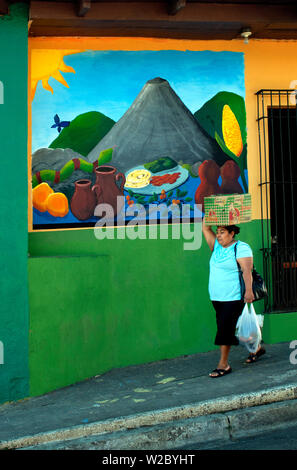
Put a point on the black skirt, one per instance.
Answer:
(227, 314)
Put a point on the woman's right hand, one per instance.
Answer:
(249, 297)
(209, 235)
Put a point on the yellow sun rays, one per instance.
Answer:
(46, 64)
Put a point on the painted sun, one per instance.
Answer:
(46, 64)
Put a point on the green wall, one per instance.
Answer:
(99, 304)
(14, 201)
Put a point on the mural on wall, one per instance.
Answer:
(164, 127)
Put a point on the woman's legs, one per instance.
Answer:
(253, 357)
(227, 314)
(223, 363)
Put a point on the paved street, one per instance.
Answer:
(284, 439)
(161, 405)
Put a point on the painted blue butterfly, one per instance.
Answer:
(60, 124)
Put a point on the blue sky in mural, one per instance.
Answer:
(109, 82)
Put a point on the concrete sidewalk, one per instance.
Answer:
(158, 404)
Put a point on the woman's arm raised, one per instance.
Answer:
(209, 235)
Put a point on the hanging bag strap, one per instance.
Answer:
(240, 275)
(235, 252)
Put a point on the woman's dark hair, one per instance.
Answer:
(231, 228)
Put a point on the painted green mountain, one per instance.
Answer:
(84, 132)
(210, 115)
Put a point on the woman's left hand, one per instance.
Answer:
(249, 297)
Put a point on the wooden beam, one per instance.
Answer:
(174, 6)
(3, 7)
(151, 19)
(83, 7)
(156, 11)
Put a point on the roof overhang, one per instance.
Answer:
(188, 19)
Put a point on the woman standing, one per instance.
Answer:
(224, 287)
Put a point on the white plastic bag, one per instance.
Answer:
(260, 320)
(247, 329)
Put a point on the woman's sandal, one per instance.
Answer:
(220, 372)
(253, 357)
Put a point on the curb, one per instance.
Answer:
(203, 432)
(160, 417)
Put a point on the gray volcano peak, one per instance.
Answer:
(157, 124)
(157, 81)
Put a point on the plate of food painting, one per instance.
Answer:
(161, 175)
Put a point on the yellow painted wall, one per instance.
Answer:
(269, 64)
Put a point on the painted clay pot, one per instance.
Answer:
(230, 172)
(209, 173)
(106, 188)
(83, 201)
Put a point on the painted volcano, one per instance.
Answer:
(158, 124)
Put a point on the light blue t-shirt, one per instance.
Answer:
(223, 273)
